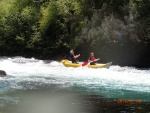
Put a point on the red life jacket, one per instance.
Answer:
(92, 58)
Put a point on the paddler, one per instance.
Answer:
(92, 59)
(73, 57)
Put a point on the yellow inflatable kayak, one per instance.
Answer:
(70, 64)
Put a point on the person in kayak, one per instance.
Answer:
(92, 59)
(73, 57)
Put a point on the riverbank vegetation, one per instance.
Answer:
(117, 31)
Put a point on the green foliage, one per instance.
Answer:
(143, 19)
(40, 25)
(60, 23)
(49, 27)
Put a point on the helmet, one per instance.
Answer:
(71, 51)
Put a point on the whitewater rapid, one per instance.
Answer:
(115, 82)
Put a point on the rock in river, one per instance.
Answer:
(2, 73)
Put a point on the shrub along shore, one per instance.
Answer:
(117, 31)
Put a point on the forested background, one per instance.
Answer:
(115, 30)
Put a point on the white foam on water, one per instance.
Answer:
(53, 72)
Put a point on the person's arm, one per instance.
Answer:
(76, 56)
(97, 59)
(90, 61)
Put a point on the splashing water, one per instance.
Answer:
(29, 74)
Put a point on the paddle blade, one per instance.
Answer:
(85, 63)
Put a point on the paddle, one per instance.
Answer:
(84, 64)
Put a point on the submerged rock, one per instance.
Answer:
(2, 73)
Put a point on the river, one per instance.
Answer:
(41, 82)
